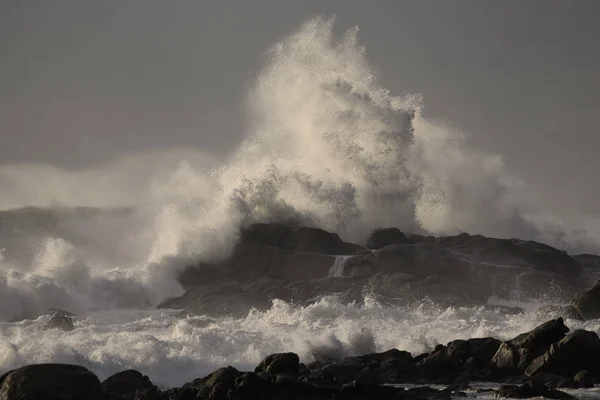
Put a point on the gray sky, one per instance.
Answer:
(85, 81)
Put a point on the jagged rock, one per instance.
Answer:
(280, 364)
(587, 304)
(215, 385)
(577, 351)
(129, 384)
(50, 382)
(252, 385)
(298, 238)
(384, 237)
(513, 252)
(421, 260)
(60, 321)
(459, 361)
(514, 356)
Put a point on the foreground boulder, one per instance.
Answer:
(515, 355)
(280, 364)
(578, 351)
(129, 384)
(50, 382)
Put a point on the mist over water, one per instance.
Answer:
(326, 146)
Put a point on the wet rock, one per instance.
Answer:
(422, 260)
(584, 379)
(515, 355)
(459, 362)
(50, 382)
(215, 385)
(129, 384)
(384, 237)
(60, 321)
(579, 350)
(252, 385)
(298, 238)
(513, 252)
(280, 364)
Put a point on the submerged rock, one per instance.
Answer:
(60, 321)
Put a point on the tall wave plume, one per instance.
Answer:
(329, 146)
(326, 146)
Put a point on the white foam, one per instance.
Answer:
(173, 350)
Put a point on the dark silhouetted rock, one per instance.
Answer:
(579, 350)
(129, 384)
(298, 238)
(51, 382)
(513, 252)
(584, 379)
(384, 237)
(216, 385)
(514, 356)
(280, 364)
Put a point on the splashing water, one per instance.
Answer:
(326, 146)
(173, 350)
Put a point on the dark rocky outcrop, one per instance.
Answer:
(129, 384)
(280, 364)
(579, 350)
(384, 237)
(294, 263)
(514, 356)
(297, 238)
(50, 382)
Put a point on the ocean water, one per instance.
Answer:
(327, 146)
(173, 350)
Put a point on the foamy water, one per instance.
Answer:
(173, 350)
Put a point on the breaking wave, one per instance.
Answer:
(326, 146)
(172, 350)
